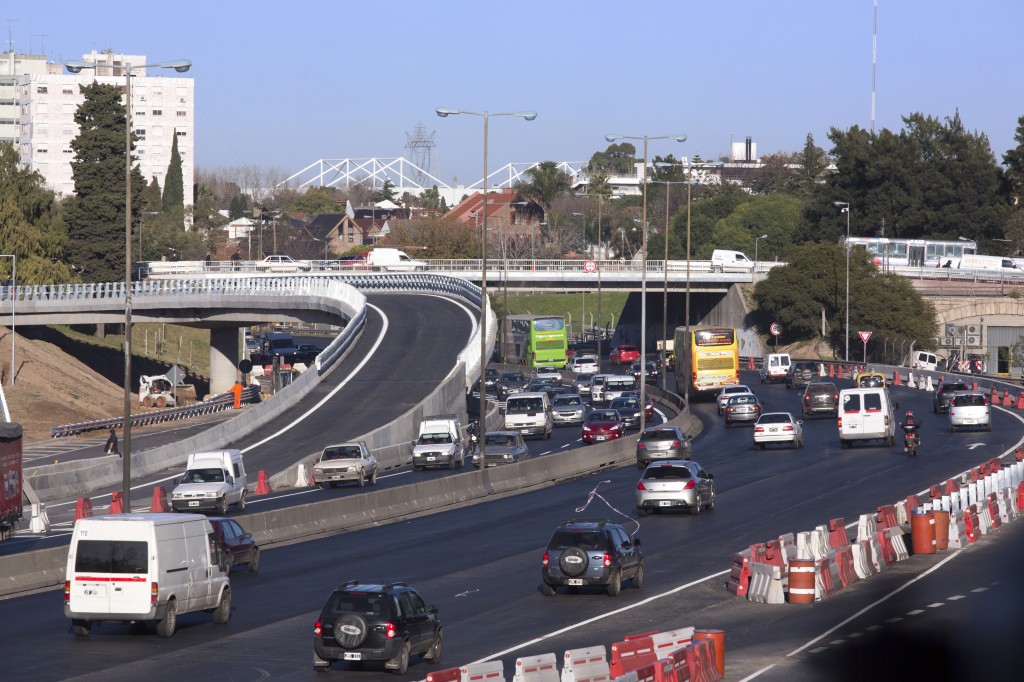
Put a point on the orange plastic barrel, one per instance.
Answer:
(941, 528)
(718, 637)
(922, 531)
(801, 581)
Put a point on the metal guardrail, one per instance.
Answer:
(218, 403)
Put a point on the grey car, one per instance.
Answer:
(502, 447)
(742, 408)
(660, 443)
(675, 484)
(581, 384)
(628, 409)
(509, 383)
(568, 408)
(591, 553)
(820, 397)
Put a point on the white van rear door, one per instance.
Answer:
(850, 411)
(875, 415)
(110, 576)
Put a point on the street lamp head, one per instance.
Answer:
(528, 115)
(840, 203)
(443, 112)
(763, 236)
(179, 65)
(76, 65)
(612, 138)
(681, 138)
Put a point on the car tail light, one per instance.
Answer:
(690, 485)
(640, 485)
(607, 559)
(154, 592)
(807, 398)
(318, 629)
(787, 428)
(758, 429)
(676, 444)
(545, 560)
(640, 446)
(840, 422)
(67, 590)
(835, 397)
(389, 630)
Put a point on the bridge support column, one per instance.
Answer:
(224, 359)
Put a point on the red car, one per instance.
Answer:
(236, 543)
(624, 355)
(602, 425)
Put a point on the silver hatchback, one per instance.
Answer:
(969, 409)
(661, 443)
(675, 484)
(568, 408)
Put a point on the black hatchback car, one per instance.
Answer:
(373, 622)
(591, 553)
(944, 394)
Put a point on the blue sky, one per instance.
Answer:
(282, 84)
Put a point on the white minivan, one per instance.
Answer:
(145, 568)
(775, 367)
(866, 414)
(529, 414)
(925, 360)
(723, 260)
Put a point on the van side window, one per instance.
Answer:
(851, 403)
(238, 471)
(873, 402)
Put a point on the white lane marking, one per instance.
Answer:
(895, 619)
(814, 651)
(874, 604)
(872, 628)
(837, 641)
(314, 408)
(915, 612)
(936, 605)
(955, 597)
(624, 609)
(980, 589)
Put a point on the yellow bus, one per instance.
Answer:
(709, 360)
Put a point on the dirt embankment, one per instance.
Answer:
(52, 387)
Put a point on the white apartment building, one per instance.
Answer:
(162, 107)
(13, 65)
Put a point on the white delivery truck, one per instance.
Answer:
(723, 260)
(144, 568)
(972, 261)
(529, 414)
(439, 443)
(212, 481)
(866, 414)
(393, 260)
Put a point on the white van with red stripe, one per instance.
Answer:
(866, 414)
(144, 567)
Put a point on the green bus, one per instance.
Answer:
(535, 340)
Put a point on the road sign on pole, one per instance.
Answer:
(775, 329)
(864, 336)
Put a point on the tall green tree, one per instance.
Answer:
(775, 215)
(31, 225)
(385, 193)
(617, 159)
(239, 206)
(96, 214)
(316, 201)
(174, 187)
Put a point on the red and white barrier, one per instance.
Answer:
(540, 668)
(488, 671)
(586, 665)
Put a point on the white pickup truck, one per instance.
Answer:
(439, 443)
(212, 481)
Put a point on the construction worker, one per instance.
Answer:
(237, 391)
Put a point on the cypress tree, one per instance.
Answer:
(174, 188)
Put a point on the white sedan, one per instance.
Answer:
(585, 364)
(778, 427)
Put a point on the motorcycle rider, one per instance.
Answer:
(474, 434)
(910, 426)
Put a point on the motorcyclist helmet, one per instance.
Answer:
(909, 414)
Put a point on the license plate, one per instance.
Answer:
(969, 421)
(352, 656)
(431, 459)
(90, 592)
(193, 503)
(772, 429)
(664, 503)
(600, 437)
(575, 581)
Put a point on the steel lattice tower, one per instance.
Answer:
(422, 150)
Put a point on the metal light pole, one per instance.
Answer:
(529, 116)
(664, 294)
(600, 255)
(756, 241)
(643, 270)
(846, 330)
(14, 302)
(76, 66)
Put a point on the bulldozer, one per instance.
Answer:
(159, 391)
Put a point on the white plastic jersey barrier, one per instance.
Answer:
(766, 584)
(867, 526)
(488, 671)
(542, 668)
(589, 664)
(667, 642)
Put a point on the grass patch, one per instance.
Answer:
(566, 305)
(163, 344)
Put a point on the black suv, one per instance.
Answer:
(820, 397)
(944, 394)
(582, 553)
(365, 622)
(800, 374)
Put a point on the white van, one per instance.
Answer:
(617, 384)
(775, 367)
(866, 414)
(597, 387)
(973, 261)
(213, 480)
(924, 360)
(144, 567)
(730, 261)
(393, 260)
(529, 414)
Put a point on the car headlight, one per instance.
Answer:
(209, 495)
(476, 458)
(318, 471)
(507, 456)
(586, 429)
